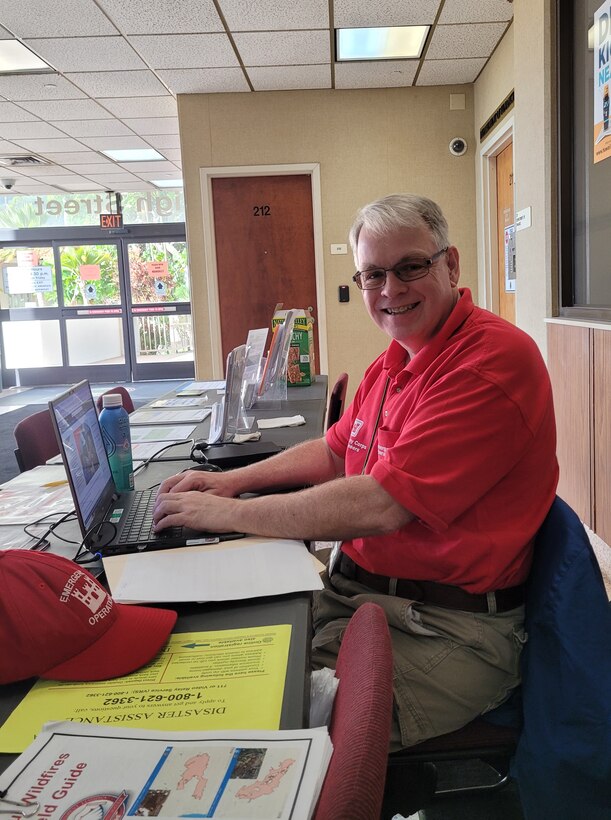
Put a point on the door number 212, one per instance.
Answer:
(261, 210)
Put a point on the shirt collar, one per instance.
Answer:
(395, 357)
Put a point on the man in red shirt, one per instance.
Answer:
(436, 479)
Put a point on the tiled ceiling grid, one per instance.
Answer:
(118, 66)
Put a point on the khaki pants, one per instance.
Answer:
(449, 666)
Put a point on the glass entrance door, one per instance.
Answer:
(106, 310)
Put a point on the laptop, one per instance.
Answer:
(111, 522)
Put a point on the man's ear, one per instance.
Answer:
(453, 265)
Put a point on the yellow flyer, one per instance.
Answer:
(230, 679)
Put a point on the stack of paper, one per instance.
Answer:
(76, 771)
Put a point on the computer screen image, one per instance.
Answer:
(80, 438)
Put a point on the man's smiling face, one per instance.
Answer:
(409, 312)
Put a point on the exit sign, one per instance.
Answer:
(108, 221)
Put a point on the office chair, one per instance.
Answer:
(360, 722)
(336, 400)
(36, 441)
(552, 736)
(128, 404)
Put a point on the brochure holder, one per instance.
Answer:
(272, 388)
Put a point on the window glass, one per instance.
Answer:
(90, 275)
(158, 272)
(160, 337)
(95, 341)
(28, 278)
(32, 344)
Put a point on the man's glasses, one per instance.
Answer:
(406, 271)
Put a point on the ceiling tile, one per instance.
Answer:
(114, 143)
(360, 13)
(67, 110)
(450, 72)
(87, 53)
(91, 168)
(186, 50)
(204, 80)
(50, 145)
(94, 128)
(141, 106)
(85, 186)
(118, 83)
(23, 130)
(35, 188)
(146, 167)
(81, 157)
(461, 41)
(474, 11)
(381, 74)
(173, 154)
(275, 15)
(152, 125)
(7, 147)
(36, 87)
(136, 186)
(283, 47)
(162, 141)
(162, 17)
(33, 18)
(4, 34)
(40, 171)
(278, 78)
(112, 178)
(13, 113)
(65, 179)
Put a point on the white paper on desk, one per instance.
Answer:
(287, 421)
(174, 416)
(176, 432)
(258, 567)
(181, 404)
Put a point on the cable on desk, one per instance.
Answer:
(95, 556)
(42, 542)
(147, 461)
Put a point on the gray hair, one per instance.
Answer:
(397, 211)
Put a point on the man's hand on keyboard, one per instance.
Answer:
(200, 511)
(217, 483)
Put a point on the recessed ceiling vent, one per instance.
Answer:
(23, 160)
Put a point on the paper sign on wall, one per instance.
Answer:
(510, 259)
(37, 279)
(26, 259)
(89, 272)
(157, 270)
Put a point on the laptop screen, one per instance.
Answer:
(80, 441)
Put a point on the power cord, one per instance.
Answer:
(42, 542)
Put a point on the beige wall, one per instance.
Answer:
(524, 62)
(368, 143)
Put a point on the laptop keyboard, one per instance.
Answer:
(138, 527)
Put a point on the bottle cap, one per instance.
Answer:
(112, 400)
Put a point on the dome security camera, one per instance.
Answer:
(458, 146)
(8, 184)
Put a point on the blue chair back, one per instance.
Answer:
(563, 758)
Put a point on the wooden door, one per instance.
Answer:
(505, 234)
(264, 238)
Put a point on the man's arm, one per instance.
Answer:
(343, 508)
(312, 462)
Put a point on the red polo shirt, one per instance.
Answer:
(466, 441)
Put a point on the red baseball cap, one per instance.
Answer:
(57, 622)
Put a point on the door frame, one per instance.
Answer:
(488, 280)
(206, 176)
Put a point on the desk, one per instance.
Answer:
(309, 401)
(288, 609)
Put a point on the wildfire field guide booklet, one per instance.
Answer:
(75, 772)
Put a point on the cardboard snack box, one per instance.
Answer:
(301, 365)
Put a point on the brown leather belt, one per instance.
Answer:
(431, 592)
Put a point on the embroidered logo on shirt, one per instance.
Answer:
(381, 451)
(354, 444)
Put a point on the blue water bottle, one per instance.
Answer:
(114, 422)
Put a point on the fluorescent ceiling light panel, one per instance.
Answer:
(14, 57)
(383, 43)
(133, 154)
(167, 183)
